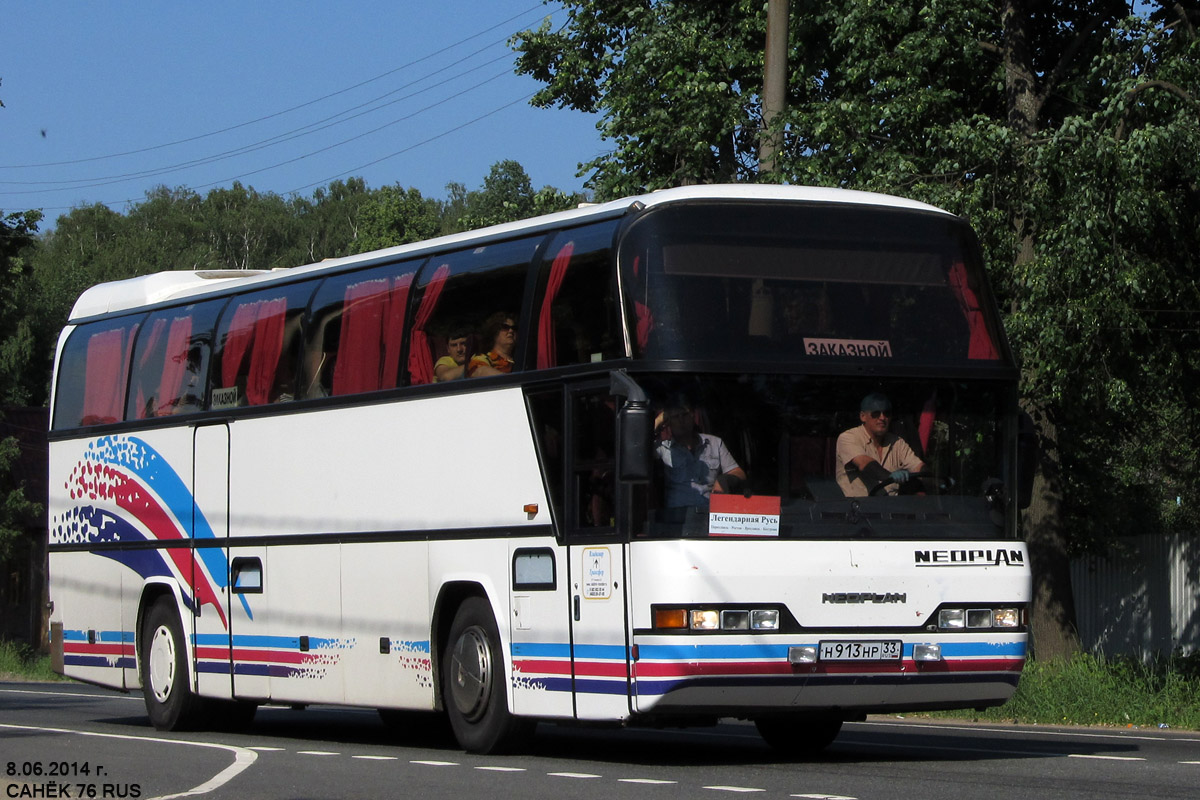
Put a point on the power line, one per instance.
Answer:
(343, 116)
(284, 111)
(315, 127)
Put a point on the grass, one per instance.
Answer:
(18, 662)
(1093, 690)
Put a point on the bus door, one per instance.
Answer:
(596, 558)
(212, 629)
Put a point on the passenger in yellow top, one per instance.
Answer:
(501, 331)
(453, 365)
(870, 456)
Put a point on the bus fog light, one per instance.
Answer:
(735, 620)
(705, 620)
(1006, 618)
(979, 618)
(806, 654)
(952, 618)
(764, 619)
(927, 652)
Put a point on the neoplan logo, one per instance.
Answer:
(968, 558)
(864, 597)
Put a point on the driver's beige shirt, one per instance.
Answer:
(857, 442)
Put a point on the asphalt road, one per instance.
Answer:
(70, 740)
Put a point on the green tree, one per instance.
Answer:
(394, 215)
(507, 195)
(17, 352)
(329, 223)
(674, 82)
(17, 346)
(1065, 131)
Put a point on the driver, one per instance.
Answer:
(869, 456)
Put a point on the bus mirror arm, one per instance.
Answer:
(635, 426)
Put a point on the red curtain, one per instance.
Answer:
(360, 342)
(925, 424)
(104, 376)
(237, 343)
(175, 365)
(153, 337)
(420, 360)
(980, 346)
(268, 345)
(547, 350)
(393, 331)
(645, 317)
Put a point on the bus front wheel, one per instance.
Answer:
(796, 735)
(169, 700)
(474, 690)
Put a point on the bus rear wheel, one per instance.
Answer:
(169, 699)
(474, 690)
(796, 735)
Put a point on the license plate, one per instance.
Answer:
(861, 651)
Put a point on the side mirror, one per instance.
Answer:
(635, 426)
(1027, 458)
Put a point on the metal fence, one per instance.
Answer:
(1142, 599)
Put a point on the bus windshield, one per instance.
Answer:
(785, 434)
(807, 285)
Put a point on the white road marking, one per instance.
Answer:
(502, 769)
(436, 763)
(1105, 758)
(316, 753)
(652, 781)
(242, 757)
(572, 775)
(733, 789)
(824, 797)
(264, 749)
(377, 758)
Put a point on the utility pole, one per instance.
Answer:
(774, 84)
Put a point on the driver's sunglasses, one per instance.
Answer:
(506, 326)
(877, 414)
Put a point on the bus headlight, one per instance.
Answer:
(704, 620)
(980, 619)
(952, 619)
(764, 619)
(1006, 618)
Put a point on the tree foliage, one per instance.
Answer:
(16, 353)
(1066, 131)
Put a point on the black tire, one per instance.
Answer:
(163, 662)
(798, 736)
(474, 689)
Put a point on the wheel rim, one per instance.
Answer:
(471, 673)
(162, 663)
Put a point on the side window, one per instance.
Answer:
(474, 294)
(170, 361)
(355, 332)
(93, 373)
(577, 320)
(593, 459)
(259, 347)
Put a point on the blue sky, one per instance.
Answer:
(106, 100)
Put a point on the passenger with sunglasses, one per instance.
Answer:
(871, 457)
(500, 330)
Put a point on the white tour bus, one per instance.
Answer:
(261, 492)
